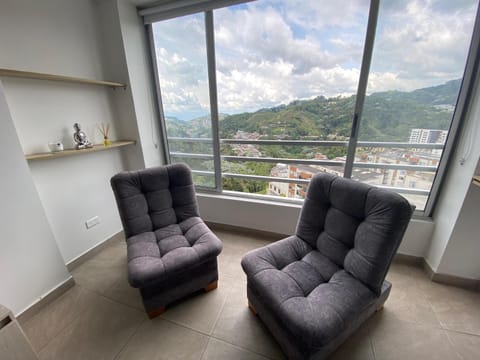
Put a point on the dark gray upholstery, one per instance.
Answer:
(171, 252)
(315, 288)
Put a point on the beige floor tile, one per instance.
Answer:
(114, 254)
(51, 320)
(244, 241)
(468, 346)
(122, 292)
(357, 347)
(106, 273)
(199, 311)
(406, 275)
(409, 303)
(229, 266)
(220, 350)
(456, 309)
(98, 276)
(235, 246)
(159, 339)
(394, 339)
(408, 299)
(238, 326)
(82, 324)
(100, 332)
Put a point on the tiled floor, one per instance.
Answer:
(102, 318)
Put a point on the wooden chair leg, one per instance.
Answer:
(158, 311)
(252, 309)
(211, 286)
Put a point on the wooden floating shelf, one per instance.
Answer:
(72, 152)
(476, 180)
(52, 77)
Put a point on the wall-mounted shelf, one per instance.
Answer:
(52, 77)
(476, 180)
(72, 152)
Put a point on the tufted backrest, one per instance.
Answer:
(150, 199)
(357, 226)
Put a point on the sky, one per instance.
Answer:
(271, 52)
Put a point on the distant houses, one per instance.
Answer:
(388, 177)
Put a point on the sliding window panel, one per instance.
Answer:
(181, 58)
(419, 58)
(287, 71)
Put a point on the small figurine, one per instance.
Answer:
(80, 138)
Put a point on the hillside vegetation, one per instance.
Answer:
(387, 116)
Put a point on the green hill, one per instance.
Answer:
(387, 116)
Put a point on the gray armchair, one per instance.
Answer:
(171, 252)
(315, 288)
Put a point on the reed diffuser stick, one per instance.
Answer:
(104, 130)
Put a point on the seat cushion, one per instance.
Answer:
(312, 297)
(154, 255)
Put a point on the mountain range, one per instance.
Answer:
(387, 116)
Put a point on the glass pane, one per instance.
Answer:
(287, 70)
(419, 57)
(180, 50)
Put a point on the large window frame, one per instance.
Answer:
(186, 7)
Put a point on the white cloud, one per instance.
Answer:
(321, 15)
(182, 65)
(271, 52)
(422, 42)
(263, 33)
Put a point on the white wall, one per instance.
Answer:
(141, 78)
(115, 67)
(463, 249)
(62, 37)
(30, 263)
(75, 189)
(460, 253)
(53, 36)
(253, 214)
(282, 219)
(448, 210)
(126, 46)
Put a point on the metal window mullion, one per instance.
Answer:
(163, 127)
(362, 86)
(212, 88)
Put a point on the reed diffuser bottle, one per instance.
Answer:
(104, 129)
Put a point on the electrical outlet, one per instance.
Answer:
(92, 222)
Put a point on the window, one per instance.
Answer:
(418, 61)
(181, 59)
(281, 76)
(259, 96)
